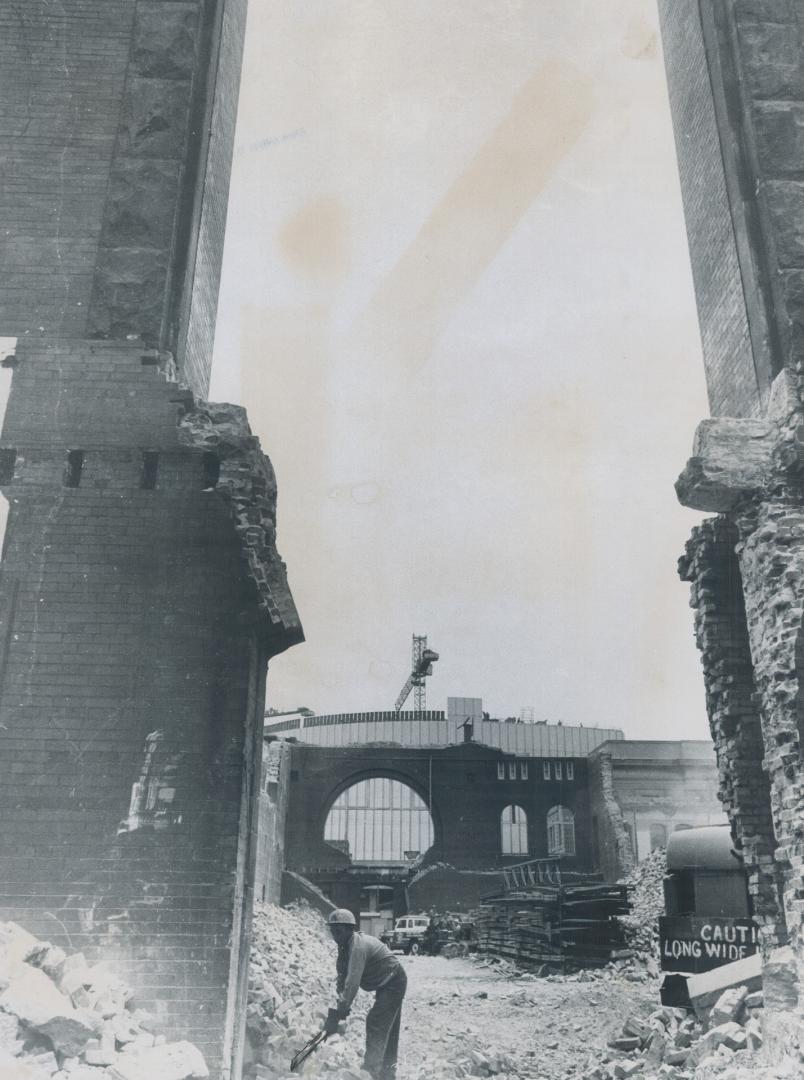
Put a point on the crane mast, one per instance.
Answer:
(421, 666)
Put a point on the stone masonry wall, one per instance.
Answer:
(710, 564)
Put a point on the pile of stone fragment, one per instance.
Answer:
(291, 987)
(62, 1019)
(672, 1044)
(646, 896)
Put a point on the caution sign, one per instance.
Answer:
(693, 944)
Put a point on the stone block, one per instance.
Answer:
(731, 459)
(708, 1043)
(154, 119)
(780, 982)
(785, 202)
(705, 989)
(141, 203)
(173, 1061)
(779, 128)
(771, 58)
(729, 1006)
(165, 39)
(129, 293)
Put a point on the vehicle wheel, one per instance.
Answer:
(414, 949)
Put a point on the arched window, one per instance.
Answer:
(658, 835)
(514, 830)
(560, 831)
(379, 820)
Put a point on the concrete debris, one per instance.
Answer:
(646, 894)
(291, 986)
(64, 1019)
(673, 1044)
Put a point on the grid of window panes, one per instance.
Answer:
(560, 831)
(380, 820)
(514, 831)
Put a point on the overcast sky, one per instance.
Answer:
(457, 305)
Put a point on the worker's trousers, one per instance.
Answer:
(382, 1028)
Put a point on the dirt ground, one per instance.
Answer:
(526, 1026)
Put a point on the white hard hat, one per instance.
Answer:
(343, 917)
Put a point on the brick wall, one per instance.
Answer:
(62, 73)
(126, 611)
(118, 136)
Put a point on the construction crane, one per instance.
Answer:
(422, 666)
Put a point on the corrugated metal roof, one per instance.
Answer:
(433, 729)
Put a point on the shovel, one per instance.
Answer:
(312, 1045)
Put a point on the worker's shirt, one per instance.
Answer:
(364, 963)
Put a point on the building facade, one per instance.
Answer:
(643, 791)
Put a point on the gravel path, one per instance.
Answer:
(525, 1027)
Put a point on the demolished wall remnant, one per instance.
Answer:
(139, 594)
(737, 98)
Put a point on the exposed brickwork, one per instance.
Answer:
(273, 806)
(248, 483)
(615, 854)
(125, 611)
(710, 564)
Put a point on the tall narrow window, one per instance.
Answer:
(73, 468)
(150, 469)
(560, 831)
(546, 770)
(514, 831)
(500, 770)
(570, 770)
(557, 767)
(512, 770)
(523, 770)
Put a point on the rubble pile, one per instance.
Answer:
(671, 1044)
(291, 987)
(62, 1019)
(646, 894)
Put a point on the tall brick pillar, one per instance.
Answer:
(141, 592)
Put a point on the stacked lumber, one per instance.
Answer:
(563, 925)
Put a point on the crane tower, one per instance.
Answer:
(422, 666)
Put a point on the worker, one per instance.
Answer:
(365, 963)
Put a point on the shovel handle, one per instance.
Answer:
(307, 1049)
